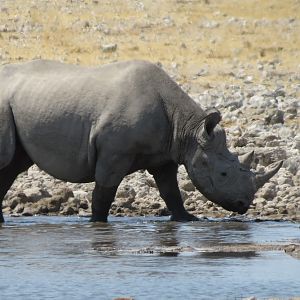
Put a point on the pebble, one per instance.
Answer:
(109, 47)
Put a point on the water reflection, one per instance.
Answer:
(104, 238)
(166, 234)
(229, 254)
(166, 238)
(223, 233)
(144, 258)
(171, 239)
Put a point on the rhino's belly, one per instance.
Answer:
(70, 169)
(64, 156)
(74, 168)
(67, 172)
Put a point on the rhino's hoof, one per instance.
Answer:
(184, 218)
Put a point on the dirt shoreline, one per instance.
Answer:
(232, 250)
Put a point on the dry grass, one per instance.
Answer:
(190, 33)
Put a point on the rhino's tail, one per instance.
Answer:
(7, 134)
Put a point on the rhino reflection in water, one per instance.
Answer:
(99, 124)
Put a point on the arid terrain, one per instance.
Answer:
(241, 56)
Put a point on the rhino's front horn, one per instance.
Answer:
(247, 159)
(261, 179)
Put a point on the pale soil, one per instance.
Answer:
(241, 56)
(191, 34)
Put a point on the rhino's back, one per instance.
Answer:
(61, 110)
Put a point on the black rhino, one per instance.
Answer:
(83, 124)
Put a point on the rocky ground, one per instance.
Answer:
(242, 59)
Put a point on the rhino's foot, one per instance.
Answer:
(98, 219)
(186, 217)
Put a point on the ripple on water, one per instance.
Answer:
(146, 258)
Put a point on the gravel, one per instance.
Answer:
(35, 192)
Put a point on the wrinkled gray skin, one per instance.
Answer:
(99, 124)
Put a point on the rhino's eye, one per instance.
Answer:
(224, 174)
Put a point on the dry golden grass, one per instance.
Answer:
(189, 33)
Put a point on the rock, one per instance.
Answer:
(163, 212)
(126, 202)
(19, 208)
(267, 156)
(64, 193)
(43, 209)
(292, 164)
(274, 117)
(267, 192)
(210, 24)
(156, 205)
(282, 210)
(6, 210)
(260, 202)
(35, 194)
(187, 186)
(28, 211)
(22, 197)
(14, 202)
(83, 213)
(184, 195)
(109, 48)
(73, 202)
(248, 79)
(285, 180)
(240, 142)
(293, 250)
(291, 113)
(151, 182)
(84, 204)
(68, 210)
(80, 195)
(168, 21)
(52, 204)
(202, 72)
(296, 144)
(126, 191)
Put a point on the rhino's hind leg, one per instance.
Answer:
(20, 163)
(101, 202)
(166, 180)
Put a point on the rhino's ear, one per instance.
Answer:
(212, 120)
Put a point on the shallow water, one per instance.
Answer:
(144, 258)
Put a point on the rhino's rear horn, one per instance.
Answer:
(261, 179)
(247, 159)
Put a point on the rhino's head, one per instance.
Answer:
(219, 175)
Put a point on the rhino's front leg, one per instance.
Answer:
(101, 202)
(110, 171)
(166, 180)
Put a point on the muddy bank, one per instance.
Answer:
(231, 250)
